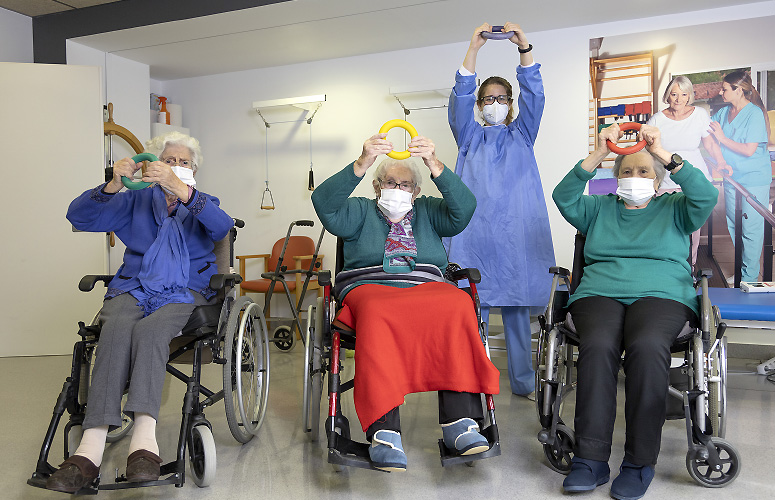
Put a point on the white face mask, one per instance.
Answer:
(184, 174)
(635, 190)
(394, 203)
(495, 113)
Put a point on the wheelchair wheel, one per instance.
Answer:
(87, 365)
(246, 371)
(702, 472)
(313, 376)
(560, 455)
(717, 390)
(201, 456)
(284, 338)
(550, 366)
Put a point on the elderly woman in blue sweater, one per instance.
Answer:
(169, 230)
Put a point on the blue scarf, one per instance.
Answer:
(164, 271)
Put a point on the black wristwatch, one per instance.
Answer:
(675, 162)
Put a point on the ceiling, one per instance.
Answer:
(301, 31)
(34, 8)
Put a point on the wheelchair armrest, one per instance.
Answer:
(324, 278)
(218, 281)
(87, 282)
(559, 270)
(472, 274)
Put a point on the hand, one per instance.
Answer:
(122, 168)
(519, 37)
(374, 146)
(422, 147)
(477, 40)
(716, 131)
(612, 133)
(653, 138)
(162, 174)
(724, 167)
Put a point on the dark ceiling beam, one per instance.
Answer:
(49, 32)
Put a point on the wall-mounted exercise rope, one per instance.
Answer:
(269, 204)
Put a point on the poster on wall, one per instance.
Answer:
(629, 76)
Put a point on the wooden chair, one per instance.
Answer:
(298, 255)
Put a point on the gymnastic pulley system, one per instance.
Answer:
(310, 104)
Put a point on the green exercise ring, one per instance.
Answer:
(130, 184)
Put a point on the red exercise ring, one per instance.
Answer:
(632, 149)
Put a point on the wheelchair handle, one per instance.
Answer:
(307, 223)
(239, 223)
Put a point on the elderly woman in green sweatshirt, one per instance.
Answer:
(635, 296)
(410, 338)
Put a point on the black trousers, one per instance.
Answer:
(452, 406)
(644, 331)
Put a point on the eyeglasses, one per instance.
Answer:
(502, 99)
(403, 186)
(171, 160)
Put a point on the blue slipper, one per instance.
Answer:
(586, 475)
(386, 452)
(463, 436)
(632, 481)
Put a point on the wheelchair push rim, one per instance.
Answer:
(313, 374)
(245, 382)
(75, 433)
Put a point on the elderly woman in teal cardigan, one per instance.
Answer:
(439, 348)
(635, 296)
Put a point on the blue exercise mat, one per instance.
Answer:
(735, 304)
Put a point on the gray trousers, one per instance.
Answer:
(132, 348)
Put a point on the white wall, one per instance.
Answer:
(15, 37)
(50, 138)
(217, 109)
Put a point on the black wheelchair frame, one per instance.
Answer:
(222, 329)
(324, 344)
(710, 460)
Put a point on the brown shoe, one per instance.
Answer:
(143, 465)
(75, 473)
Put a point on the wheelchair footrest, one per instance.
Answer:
(175, 478)
(39, 481)
(450, 457)
(351, 454)
(337, 457)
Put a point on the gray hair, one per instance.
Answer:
(659, 169)
(158, 144)
(683, 84)
(381, 171)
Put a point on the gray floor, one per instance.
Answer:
(282, 463)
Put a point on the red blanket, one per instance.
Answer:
(418, 339)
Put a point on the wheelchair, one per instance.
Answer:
(231, 333)
(697, 391)
(325, 342)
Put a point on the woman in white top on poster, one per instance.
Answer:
(683, 128)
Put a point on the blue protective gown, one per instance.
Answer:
(508, 238)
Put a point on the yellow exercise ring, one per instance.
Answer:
(399, 155)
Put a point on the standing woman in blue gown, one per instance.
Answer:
(509, 238)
